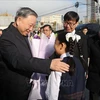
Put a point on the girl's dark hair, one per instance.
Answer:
(70, 48)
(72, 65)
(70, 45)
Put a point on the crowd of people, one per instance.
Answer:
(58, 71)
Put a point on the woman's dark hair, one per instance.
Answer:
(70, 48)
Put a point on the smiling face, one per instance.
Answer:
(71, 19)
(25, 25)
(70, 25)
(47, 31)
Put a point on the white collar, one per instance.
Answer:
(65, 55)
(73, 32)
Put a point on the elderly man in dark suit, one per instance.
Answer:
(16, 61)
(93, 81)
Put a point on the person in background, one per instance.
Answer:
(93, 81)
(47, 30)
(69, 85)
(40, 31)
(85, 30)
(17, 61)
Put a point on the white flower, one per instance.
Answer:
(68, 35)
(77, 37)
(73, 36)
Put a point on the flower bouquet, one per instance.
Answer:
(41, 48)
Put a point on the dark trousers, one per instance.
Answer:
(94, 96)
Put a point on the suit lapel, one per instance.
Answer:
(23, 40)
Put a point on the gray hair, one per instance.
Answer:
(25, 12)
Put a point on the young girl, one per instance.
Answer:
(69, 85)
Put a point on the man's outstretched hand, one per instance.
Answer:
(57, 65)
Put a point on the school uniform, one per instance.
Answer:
(62, 86)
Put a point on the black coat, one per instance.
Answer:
(17, 65)
(83, 44)
(93, 81)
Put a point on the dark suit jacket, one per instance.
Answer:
(17, 65)
(83, 44)
(93, 81)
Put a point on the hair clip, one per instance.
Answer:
(74, 37)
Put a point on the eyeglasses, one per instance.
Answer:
(69, 23)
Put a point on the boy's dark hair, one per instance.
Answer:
(71, 15)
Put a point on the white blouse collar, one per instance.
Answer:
(65, 55)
